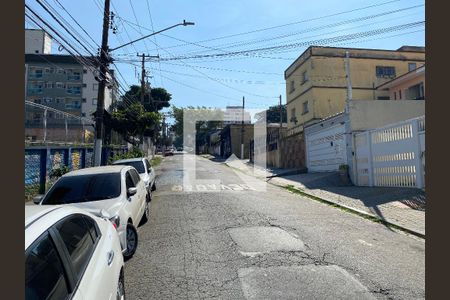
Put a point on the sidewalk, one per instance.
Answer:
(402, 207)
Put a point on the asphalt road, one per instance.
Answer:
(233, 238)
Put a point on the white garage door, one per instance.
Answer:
(325, 149)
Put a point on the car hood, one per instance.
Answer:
(111, 206)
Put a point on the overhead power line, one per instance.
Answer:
(306, 43)
(289, 24)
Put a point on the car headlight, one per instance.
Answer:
(115, 221)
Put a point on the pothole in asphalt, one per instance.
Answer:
(301, 282)
(260, 239)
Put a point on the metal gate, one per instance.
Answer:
(326, 149)
(393, 155)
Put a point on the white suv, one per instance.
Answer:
(70, 253)
(116, 189)
(145, 170)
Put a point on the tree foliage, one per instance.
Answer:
(209, 120)
(273, 114)
(133, 122)
(159, 99)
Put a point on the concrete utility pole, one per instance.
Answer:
(349, 82)
(143, 75)
(281, 115)
(104, 62)
(142, 78)
(242, 128)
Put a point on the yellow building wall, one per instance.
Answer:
(326, 89)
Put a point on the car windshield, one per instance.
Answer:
(84, 188)
(138, 165)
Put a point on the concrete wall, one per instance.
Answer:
(37, 42)
(236, 139)
(325, 90)
(365, 115)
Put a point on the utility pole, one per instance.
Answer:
(242, 128)
(143, 76)
(104, 62)
(349, 82)
(281, 115)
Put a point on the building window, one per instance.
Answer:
(36, 73)
(49, 70)
(37, 100)
(305, 77)
(293, 116)
(94, 101)
(84, 85)
(385, 72)
(411, 66)
(95, 86)
(59, 100)
(83, 100)
(292, 86)
(60, 85)
(35, 88)
(73, 104)
(305, 107)
(49, 85)
(416, 92)
(74, 89)
(61, 71)
(48, 99)
(74, 75)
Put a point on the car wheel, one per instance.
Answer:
(146, 215)
(148, 197)
(120, 295)
(132, 241)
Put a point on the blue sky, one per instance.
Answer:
(217, 82)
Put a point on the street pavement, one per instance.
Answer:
(217, 233)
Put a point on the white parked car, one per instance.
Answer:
(116, 189)
(145, 170)
(71, 254)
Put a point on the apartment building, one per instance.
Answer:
(235, 114)
(316, 85)
(63, 83)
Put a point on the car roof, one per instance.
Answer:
(38, 218)
(97, 170)
(128, 160)
(34, 212)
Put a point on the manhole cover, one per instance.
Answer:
(301, 282)
(260, 239)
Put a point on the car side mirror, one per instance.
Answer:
(131, 191)
(149, 170)
(37, 199)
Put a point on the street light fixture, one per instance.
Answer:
(184, 23)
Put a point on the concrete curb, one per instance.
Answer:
(342, 206)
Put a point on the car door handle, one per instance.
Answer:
(110, 257)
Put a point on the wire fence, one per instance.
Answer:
(58, 141)
(44, 165)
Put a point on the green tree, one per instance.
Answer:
(133, 122)
(273, 114)
(210, 120)
(160, 98)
